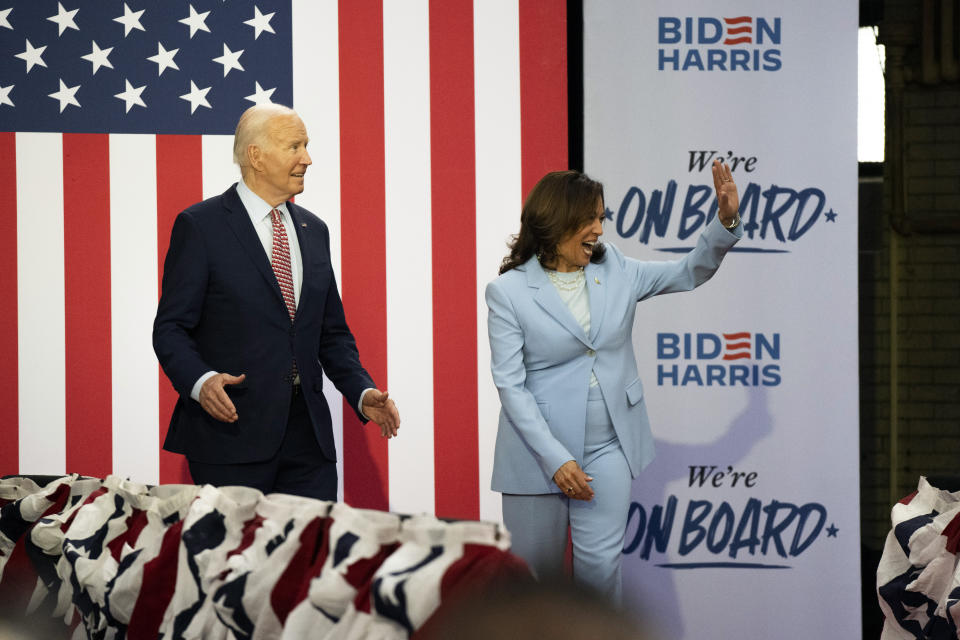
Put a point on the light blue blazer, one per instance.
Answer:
(541, 359)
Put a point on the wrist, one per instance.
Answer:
(733, 224)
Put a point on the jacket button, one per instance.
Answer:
(591, 352)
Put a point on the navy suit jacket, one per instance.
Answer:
(221, 309)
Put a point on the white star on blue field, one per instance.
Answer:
(186, 67)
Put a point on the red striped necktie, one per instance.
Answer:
(280, 261)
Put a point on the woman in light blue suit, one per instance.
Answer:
(573, 427)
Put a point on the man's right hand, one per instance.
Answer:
(214, 398)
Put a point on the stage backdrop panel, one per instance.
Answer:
(428, 121)
(746, 524)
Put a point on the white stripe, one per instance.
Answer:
(218, 170)
(40, 303)
(316, 97)
(406, 70)
(133, 294)
(496, 32)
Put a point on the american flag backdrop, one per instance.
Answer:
(429, 120)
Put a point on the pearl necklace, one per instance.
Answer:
(563, 284)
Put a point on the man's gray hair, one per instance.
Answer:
(252, 129)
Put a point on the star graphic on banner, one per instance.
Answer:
(260, 95)
(832, 531)
(920, 612)
(64, 19)
(197, 97)
(4, 18)
(260, 22)
(831, 215)
(131, 95)
(33, 56)
(229, 60)
(5, 95)
(66, 95)
(130, 20)
(164, 59)
(196, 21)
(98, 57)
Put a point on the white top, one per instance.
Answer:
(572, 287)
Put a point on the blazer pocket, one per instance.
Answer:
(544, 410)
(634, 392)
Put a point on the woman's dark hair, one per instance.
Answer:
(560, 204)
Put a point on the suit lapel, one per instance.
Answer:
(547, 297)
(307, 254)
(596, 292)
(239, 221)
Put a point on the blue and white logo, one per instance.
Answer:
(740, 43)
(729, 359)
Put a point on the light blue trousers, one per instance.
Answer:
(538, 523)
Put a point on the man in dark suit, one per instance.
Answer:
(250, 319)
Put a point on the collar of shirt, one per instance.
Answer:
(257, 208)
(259, 212)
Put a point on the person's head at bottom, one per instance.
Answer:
(556, 609)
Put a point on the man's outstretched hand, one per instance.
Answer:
(214, 398)
(378, 406)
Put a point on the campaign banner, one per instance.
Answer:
(746, 524)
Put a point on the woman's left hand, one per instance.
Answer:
(573, 481)
(726, 188)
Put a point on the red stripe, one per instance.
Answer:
(157, 587)
(286, 592)
(737, 336)
(738, 40)
(363, 241)
(359, 575)
(179, 185)
(747, 29)
(86, 262)
(738, 20)
(132, 528)
(543, 89)
(736, 356)
(453, 194)
(250, 528)
(952, 533)
(9, 370)
(908, 499)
